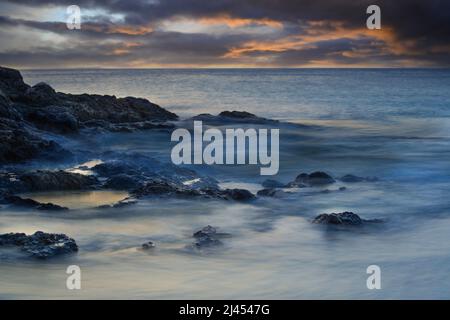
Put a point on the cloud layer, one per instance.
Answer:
(225, 33)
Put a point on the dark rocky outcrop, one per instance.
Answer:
(23, 109)
(317, 178)
(148, 245)
(270, 192)
(30, 203)
(238, 194)
(18, 144)
(56, 180)
(208, 237)
(11, 83)
(40, 245)
(123, 181)
(344, 218)
(233, 117)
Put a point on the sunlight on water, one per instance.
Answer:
(78, 199)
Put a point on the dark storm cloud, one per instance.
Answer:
(417, 30)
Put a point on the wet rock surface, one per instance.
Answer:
(30, 203)
(56, 180)
(233, 117)
(25, 110)
(40, 245)
(208, 237)
(343, 218)
(317, 178)
(271, 192)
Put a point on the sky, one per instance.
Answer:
(224, 34)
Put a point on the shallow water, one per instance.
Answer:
(78, 199)
(401, 137)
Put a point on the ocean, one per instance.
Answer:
(393, 124)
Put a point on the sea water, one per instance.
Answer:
(392, 124)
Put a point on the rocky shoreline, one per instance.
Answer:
(30, 114)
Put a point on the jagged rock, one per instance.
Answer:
(349, 178)
(233, 117)
(344, 218)
(47, 109)
(205, 232)
(148, 245)
(239, 194)
(317, 178)
(56, 119)
(40, 245)
(11, 83)
(207, 237)
(18, 145)
(32, 204)
(163, 188)
(40, 94)
(56, 180)
(123, 182)
(116, 167)
(7, 110)
(270, 192)
(270, 184)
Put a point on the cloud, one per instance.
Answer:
(237, 33)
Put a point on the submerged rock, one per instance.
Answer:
(208, 237)
(32, 204)
(270, 192)
(317, 178)
(238, 194)
(148, 245)
(349, 178)
(40, 245)
(344, 218)
(123, 182)
(233, 117)
(19, 145)
(56, 180)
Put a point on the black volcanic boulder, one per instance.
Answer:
(11, 83)
(32, 204)
(123, 182)
(56, 180)
(270, 192)
(57, 119)
(233, 117)
(18, 145)
(159, 187)
(317, 178)
(7, 110)
(40, 245)
(344, 218)
(40, 94)
(208, 237)
(238, 194)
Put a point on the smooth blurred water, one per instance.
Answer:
(374, 94)
(393, 124)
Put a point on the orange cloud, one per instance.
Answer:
(121, 29)
(239, 22)
(318, 31)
